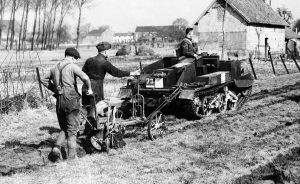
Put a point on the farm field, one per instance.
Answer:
(258, 143)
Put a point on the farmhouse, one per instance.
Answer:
(240, 26)
(123, 37)
(98, 35)
(157, 33)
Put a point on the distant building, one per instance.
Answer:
(240, 26)
(156, 33)
(98, 35)
(123, 37)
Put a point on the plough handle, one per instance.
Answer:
(168, 99)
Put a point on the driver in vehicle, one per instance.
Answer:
(187, 48)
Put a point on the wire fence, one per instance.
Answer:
(18, 78)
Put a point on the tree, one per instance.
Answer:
(296, 26)
(39, 24)
(65, 7)
(44, 26)
(181, 22)
(64, 33)
(3, 5)
(285, 14)
(36, 5)
(27, 2)
(15, 5)
(178, 30)
(85, 29)
(80, 4)
(21, 28)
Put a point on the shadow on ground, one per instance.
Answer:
(284, 169)
(51, 130)
(18, 157)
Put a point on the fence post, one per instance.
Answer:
(287, 71)
(251, 64)
(294, 59)
(272, 62)
(39, 81)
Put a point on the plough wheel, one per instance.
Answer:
(156, 126)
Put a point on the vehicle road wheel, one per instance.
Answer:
(156, 126)
(222, 104)
(205, 110)
(231, 106)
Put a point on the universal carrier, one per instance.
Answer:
(192, 88)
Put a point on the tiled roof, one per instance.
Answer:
(253, 12)
(123, 34)
(290, 34)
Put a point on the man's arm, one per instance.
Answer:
(85, 79)
(112, 70)
(46, 81)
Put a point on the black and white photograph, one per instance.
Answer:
(149, 91)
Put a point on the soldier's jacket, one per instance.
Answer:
(96, 68)
(186, 48)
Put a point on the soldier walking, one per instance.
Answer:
(61, 79)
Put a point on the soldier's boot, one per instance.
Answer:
(55, 154)
(72, 147)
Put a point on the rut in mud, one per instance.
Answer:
(17, 157)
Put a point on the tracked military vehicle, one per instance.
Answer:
(189, 87)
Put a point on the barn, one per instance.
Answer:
(240, 28)
(98, 35)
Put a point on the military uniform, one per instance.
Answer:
(187, 48)
(96, 68)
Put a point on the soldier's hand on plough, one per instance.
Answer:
(89, 92)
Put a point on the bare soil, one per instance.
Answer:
(257, 144)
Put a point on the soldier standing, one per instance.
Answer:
(61, 80)
(96, 68)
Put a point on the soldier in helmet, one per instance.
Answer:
(187, 48)
(61, 79)
(96, 68)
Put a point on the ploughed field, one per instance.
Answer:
(258, 143)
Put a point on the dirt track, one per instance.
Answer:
(260, 141)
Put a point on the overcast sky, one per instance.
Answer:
(125, 15)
